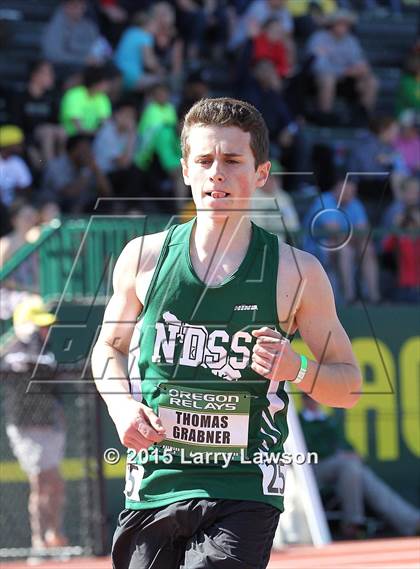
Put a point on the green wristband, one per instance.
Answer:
(303, 369)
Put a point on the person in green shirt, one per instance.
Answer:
(85, 107)
(159, 152)
(408, 94)
(159, 116)
(340, 466)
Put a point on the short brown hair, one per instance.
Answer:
(225, 111)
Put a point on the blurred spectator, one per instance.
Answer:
(195, 87)
(24, 279)
(70, 36)
(84, 108)
(309, 16)
(48, 213)
(74, 179)
(406, 249)
(331, 227)
(204, 27)
(271, 45)
(218, 19)
(134, 55)
(15, 176)
(24, 217)
(113, 16)
(159, 153)
(409, 196)
(191, 23)
(408, 141)
(114, 147)
(303, 7)
(353, 481)
(35, 424)
(264, 91)
(258, 12)
(339, 60)
(408, 96)
(378, 165)
(35, 111)
(279, 215)
(168, 45)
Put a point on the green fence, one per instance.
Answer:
(75, 262)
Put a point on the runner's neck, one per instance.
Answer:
(220, 238)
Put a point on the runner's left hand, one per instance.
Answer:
(273, 357)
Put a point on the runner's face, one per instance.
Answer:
(220, 168)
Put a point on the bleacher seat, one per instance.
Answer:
(25, 34)
(389, 78)
(30, 10)
(386, 41)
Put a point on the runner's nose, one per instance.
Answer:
(216, 175)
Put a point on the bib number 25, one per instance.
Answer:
(274, 479)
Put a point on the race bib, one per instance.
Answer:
(133, 477)
(199, 420)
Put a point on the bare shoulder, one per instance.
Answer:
(137, 262)
(294, 262)
(300, 274)
(141, 254)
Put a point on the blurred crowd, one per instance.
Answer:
(102, 108)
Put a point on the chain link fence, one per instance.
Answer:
(44, 404)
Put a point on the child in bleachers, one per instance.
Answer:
(271, 44)
(114, 148)
(85, 107)
(74, 179)
(408, 142)
(15, 176)
(134, 55)
(168, 45)
(35, 110)
(406, 248)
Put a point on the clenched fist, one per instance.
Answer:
(273, 357)
(137, 425)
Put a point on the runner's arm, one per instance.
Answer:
(137, 426)
(334, 378)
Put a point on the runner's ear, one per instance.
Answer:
(263, 171)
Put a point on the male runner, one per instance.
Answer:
(201, 320)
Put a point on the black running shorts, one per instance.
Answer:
(196, 534)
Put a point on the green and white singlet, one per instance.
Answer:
(192, 350)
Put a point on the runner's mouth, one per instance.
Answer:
(217, 194)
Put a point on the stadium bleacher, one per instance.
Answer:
(385, 40)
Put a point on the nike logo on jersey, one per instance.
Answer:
(246, 307)
(216, 350)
